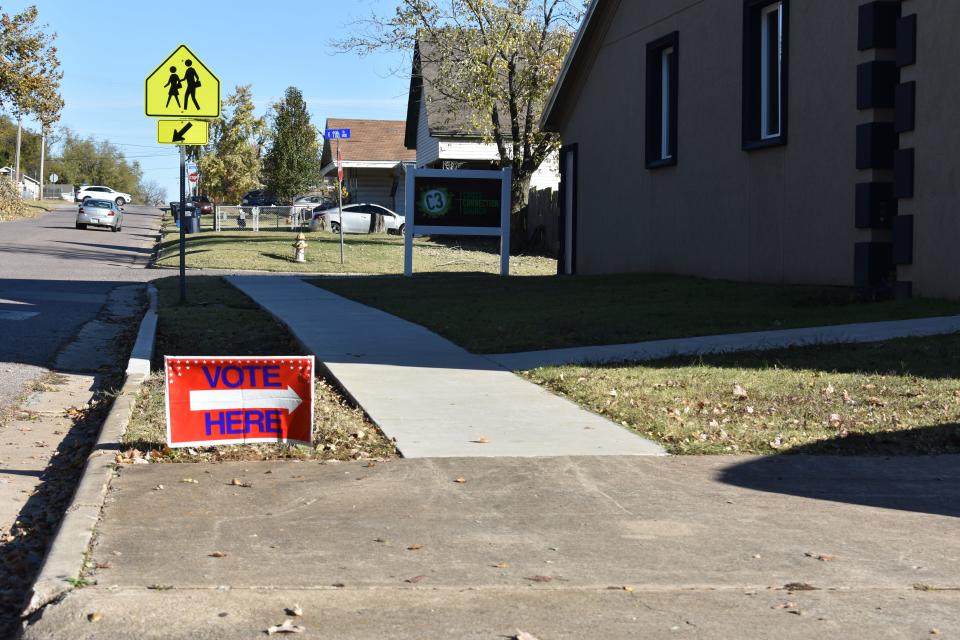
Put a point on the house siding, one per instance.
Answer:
(370, 185)
(934, 139)
(783, 214)
(428, 147)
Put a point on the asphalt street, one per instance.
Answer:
(54, 278)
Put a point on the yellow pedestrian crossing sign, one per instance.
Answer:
(190, 132)
(182, 86)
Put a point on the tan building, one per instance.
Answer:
(809, 141)
(373, 160)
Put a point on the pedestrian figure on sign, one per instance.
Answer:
(193, 81)
(174, 83)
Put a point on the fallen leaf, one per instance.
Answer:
(286, 627)
(784, 605)
(103, 565)
(380, 540)
(96, 616)
(159, 487)
(613, 393)
(822, 557)
(799, 586)
(190, 481)
(482, 440)
(540, 578)
(523, 635)
(295, 610)
(415, 547)
(237, 482)
(218, 554)
(460, 480)
(415, 579)
(739, 392)
(500, 565)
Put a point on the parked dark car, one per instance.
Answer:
(260, 198)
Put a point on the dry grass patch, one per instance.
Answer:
(898, 397)
(218, 320)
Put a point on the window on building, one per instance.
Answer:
(765, 73)
(662, 93)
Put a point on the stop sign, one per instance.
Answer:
(193, 177)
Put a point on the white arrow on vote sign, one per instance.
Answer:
(225, 399)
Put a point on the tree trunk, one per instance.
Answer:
(520, 197)
(377, 223)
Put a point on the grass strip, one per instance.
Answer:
(368, 254)
(489, 314)
(900, 397)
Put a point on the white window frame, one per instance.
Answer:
(766, 91)
(666, 152)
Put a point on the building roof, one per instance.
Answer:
(587, 39)
(445, 119)
(376, 141)
(10, 171)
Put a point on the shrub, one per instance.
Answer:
(11, 204)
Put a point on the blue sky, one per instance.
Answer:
(107, 48)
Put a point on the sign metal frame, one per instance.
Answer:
(505, 177)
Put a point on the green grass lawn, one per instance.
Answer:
(374, 253)
(897, 397)
(488, 314)
(219, 320)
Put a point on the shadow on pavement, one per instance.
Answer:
(922, 484)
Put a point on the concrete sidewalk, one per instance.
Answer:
(727, 343)
(435, 398)
(584, 547)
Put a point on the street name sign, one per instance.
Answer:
(336, 134)
(189, 132)
(182, 86)
(238, 400)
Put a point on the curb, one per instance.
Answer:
(64, 561)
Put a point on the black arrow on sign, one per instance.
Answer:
(178, 135)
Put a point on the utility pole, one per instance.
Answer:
(43, 140)
(17, 169)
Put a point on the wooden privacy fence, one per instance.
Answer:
(542, 223)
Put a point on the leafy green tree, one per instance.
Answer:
(86, 160)
(29, 67)
(494, 59)
(29, 147)
(230, 166)
(292, 163)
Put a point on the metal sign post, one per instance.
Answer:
(459, 203)
(338, 134)
(182, 211)
(340, 198)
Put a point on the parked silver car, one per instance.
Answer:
(356, 219)
(100, 213)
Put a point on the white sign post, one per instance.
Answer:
(412, 228)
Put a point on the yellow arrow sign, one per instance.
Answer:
(182, 86)
(190, 132)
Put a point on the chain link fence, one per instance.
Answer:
(239, 218)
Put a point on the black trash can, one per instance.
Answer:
(192, 220)
(174, 206)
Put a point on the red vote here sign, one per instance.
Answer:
(231, 400)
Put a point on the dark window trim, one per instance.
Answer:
(752, 139)
(655, 101)
(574, 149)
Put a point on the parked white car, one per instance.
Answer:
(356, 219)
(103, 193)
